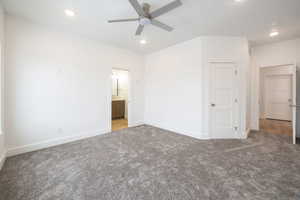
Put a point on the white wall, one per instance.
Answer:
(177, 84)
(281, 53)
(2, 46)
(174, 88)
(59, 86)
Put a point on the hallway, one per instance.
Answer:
(276, 127)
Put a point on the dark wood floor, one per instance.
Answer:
(276, 127)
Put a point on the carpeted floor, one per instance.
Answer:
(146, 163)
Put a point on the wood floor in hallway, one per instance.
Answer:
(276, 127)
(118, 124)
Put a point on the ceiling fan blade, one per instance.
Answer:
(139, 30)
(161, 25)
(123, 20)
(166, 8)
(138, 8)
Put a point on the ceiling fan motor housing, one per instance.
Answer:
(146, 8)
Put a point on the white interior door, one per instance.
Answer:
(224, 101)
(278, 97)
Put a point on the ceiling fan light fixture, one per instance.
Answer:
(69, 13)
(274, 33)
(145, 21)
(143, 41)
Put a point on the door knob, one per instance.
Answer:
(212, 105)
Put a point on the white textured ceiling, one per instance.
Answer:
(251, 18)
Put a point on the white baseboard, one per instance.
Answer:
(246, 134)
(136, 124)
(2, 160)
(205, 136)
(50, 143)
(200, 135)
(54, 142)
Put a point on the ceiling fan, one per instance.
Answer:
(146, 17)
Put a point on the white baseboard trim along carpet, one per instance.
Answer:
(136, 124)
(51, 143)
(2, 160)
(58, 141)
(54, 142)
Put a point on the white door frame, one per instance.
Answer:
(238, 121)
(129, 106)
(294, 102)
(294, 93)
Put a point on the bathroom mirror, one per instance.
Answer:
(115, 85)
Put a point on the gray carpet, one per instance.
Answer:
(146, 163)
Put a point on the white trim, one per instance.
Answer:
(199, 136)
(294, 94)
(51, 143)
(138, 123)
(278, 65)
(205, 136)
(216, 60)
(2, 159)
(247, 133)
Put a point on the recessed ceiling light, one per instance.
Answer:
(69, 13)
(238, 1)
(274, 33)
(143, 41)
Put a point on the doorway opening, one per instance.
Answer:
(276, 99)
(120, 95)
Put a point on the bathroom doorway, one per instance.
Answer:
(120, 102)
